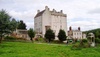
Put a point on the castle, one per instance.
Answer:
(47, 19)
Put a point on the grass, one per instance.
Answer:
(26, 49)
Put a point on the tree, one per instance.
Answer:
(31, 34)
(62, 35)
(96, 32)
(6, 24)
(50, 35)
(21, 25)
(14, 24)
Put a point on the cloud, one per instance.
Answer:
(84, 13)
(94, 11)
(26, 16)
(85, 25)
(29, 25)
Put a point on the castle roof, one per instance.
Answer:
(53, 12)
(39, 14)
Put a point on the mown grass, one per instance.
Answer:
(22, 49)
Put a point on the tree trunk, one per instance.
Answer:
(0, 38)
(49, 40)
(31, 40)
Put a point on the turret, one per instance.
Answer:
(46, 8)
(38, 11)
(70, 28)
(79, 28)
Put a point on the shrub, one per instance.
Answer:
(62, 35)
(84, 43)
(19, 38)
(84, 40)
(50, 35)
(97, 40)
(42, 40)
(9, 38)
(76, 46)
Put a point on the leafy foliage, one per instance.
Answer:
(97, 40)
(7, 24)
(84, 43)
(81, 44)
(21, 25)
(10, 38)
(84, 40)
(31, 34)
(62, 35)
(14, 24)
(50, 35)
(96, 32)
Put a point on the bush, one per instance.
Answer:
(42, 40)
(84, 40)
(62, 35)
(9, 38)
(50, 35)
(76, 46)
(84, 43)
(19, 38)
(97, 40)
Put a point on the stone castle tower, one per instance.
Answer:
(46, 19)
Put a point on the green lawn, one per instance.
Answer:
(21, 49)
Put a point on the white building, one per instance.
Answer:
(46, 19)
(84, 36)
(75, 34)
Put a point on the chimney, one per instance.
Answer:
(46, 8)
(38, 11)
(61, 11)
(54, 10)
(70, 28)
(79, 28)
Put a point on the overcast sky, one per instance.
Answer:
(80, 13)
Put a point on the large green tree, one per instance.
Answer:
(50, 35)
(14, 24)
(7, 24)
(62, 35)
(21, 25)
(31, 34)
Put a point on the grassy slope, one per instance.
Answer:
(19, 49)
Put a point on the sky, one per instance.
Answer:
(80, 13)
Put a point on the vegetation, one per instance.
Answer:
(96, 32)
(31, 34)
(21, 25)
(62, 35)
(8, 38)
(97, 40)
(7, 24)
(50, 35)
(83, 43)
(15, 39)
(22, 49)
